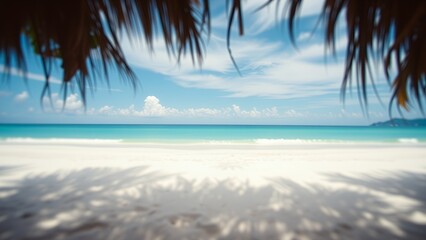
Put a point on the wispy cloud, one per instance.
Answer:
(216, 59)
(42, 78)
(258, 19)
(304, 36)
(269, 70)
(28, 75)
(22, 97)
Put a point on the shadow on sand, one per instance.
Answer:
(136, 203)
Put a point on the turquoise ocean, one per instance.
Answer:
(209, 133)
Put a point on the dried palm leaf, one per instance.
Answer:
(84, 34)
(390, 30)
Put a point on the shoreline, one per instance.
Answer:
(259, 142)
(127, 191)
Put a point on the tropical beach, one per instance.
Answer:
(104, 189)
(213, 120)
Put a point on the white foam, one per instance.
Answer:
(408, 140)
(63, 140)
(280, 141)
(270, 141)
(221, 142)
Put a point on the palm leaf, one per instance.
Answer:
(84, 34)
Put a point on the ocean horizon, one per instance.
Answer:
(204, 133)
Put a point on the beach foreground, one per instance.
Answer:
(222, 191)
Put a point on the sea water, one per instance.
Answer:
(257, 134)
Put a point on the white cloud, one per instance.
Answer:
(73, 104)
(216, 58)
(294, 114)
(269, 71)
(38, 77)
(153, 108)
(254, 113)
(28, 75)
(21, 97)
(259, 20)
(105, 109)
(204, 112)
(275, 78)
(303, 36)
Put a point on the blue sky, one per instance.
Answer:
(279, 84)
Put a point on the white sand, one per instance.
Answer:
(296, 191)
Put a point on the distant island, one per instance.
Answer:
(400, 122)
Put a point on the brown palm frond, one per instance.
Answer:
(84, 34)
(390, 30)
(235, 9)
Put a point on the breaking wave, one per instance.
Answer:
(62, 140)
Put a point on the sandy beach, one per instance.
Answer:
(212, 191)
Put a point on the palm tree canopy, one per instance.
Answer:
(84, 35)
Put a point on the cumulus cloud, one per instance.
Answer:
(21, 97)
(254, 113)
(203, 112)
(72, 103)
(105, 109)
(153, 108)
(293, 113)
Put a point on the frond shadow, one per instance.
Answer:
(137, 203)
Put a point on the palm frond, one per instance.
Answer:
(84, 34)
(390, 30)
